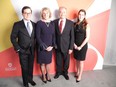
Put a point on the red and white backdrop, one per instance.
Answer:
(97, 14)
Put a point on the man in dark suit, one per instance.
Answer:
(65, 41)
(22, 38)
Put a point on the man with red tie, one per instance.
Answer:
(65, 41)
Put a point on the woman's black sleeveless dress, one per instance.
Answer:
(80, 35)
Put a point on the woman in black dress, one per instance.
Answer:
(45, 36)
(82, 34)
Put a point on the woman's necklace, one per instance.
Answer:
(47, 24)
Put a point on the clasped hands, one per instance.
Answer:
(77, 47)
(49, 48)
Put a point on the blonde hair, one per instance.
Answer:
(45, 9)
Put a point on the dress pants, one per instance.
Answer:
(62, 62)
(26, 62)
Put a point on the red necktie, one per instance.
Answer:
(60, 26)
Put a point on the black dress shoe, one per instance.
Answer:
(32, 83)
(56, 76)
(66, 76)
(77, 80)
(45, 81)
(49, 80)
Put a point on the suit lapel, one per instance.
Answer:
(65, 26)
(23, 28)
(33, 29)
(58, 30)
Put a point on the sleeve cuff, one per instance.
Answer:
(18, 50)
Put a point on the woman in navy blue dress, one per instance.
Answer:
(45, 36)
(82, 34)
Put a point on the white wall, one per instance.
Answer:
(110, 52)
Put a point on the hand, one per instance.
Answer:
(79, 48)
(70, 51)
(49, 48)
(75, 46)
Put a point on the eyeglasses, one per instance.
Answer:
(27, 13)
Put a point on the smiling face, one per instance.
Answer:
(62, 12)
(45, 14)
(27, 14)
(81, 15)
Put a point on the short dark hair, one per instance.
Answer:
(26, 7)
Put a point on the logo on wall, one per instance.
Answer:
(10, 67)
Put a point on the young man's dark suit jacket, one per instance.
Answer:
(64, 42)
(24, 45)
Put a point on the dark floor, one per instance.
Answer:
(96, 78)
